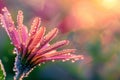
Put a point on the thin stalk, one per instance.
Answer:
(18, 76)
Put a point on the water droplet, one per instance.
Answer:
(23, 43)
(3, 9)
(67, 59)
(53, 60)
(34, 21)
(82, 58)
(10, 29)
(29, 34)
(69, 54)
(3, 26)
(11, 43)
(14, 51)
(43, 62)
(63, 60)
(8, 14)
(73, 61)
(76, 59)
(1, 23)
(39, 64)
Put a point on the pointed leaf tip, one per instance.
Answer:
(2, 72)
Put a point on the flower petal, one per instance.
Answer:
(53, 47)
(34, 28)
(23, 34)
(45, 40)
(23, 31)
(9, 26)
(20, 18)
(35, 25)
(48, 49)
(37, 38)
(66, 51)
(53, 53)
(48, 37)
(61, 57)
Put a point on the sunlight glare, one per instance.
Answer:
(109, 4)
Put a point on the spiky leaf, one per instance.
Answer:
(2, 72)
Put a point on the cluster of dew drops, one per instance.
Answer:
(64, 60)
(15, 50)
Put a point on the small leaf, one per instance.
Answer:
(2, 72)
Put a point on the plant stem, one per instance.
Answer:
(18, 76)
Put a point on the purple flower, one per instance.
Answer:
(33, 48)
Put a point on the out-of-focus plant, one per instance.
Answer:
(2, 72)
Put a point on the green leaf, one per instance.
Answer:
(2, 72)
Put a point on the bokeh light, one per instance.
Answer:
(110, 4)
(93, 28)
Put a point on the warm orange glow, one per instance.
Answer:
(83, 13)
(109, 4)
(91, 14)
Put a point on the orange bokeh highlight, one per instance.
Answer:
(109, 4)
(91, 14)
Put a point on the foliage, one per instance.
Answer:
(2, 72)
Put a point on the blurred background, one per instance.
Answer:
(92, 26)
